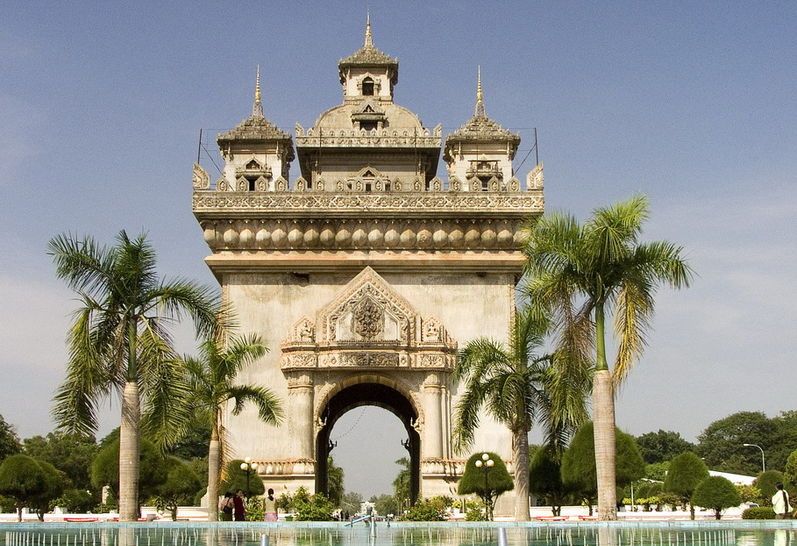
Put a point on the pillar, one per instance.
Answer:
(300, 415)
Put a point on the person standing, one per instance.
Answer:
(226, 506)
(270, 506)
(238, 511)
(780, 502)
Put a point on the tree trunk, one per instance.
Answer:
(520, 447)
(129, 453)
(603, 416)
(214, 465)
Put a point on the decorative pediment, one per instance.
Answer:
(368, 309)
(201, 180)
(368, 325)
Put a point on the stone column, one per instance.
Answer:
(433, 425)
(300, 415)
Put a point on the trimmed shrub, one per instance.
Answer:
(766, 483)
(426, 510)
(686, 471)
(716, 493)
(152, 469)
(759, 512)
(24, 480)
(489, 485)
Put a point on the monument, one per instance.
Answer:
(367, 273)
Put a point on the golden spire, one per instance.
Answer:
(479, 94)
(369, 39)
(257, 107)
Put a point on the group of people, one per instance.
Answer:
(233, 508)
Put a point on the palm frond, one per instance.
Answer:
(269, 408)
(82, 263)
(178, 297)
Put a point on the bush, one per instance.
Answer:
(716, 493)
(75, 501)
(426, 510)
(759, 512)
(317, 508)
(179, 487)
(254, 509)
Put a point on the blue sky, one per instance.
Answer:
(691, 103)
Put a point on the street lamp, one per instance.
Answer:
(763, 461)
(249, 467)
(486, 463)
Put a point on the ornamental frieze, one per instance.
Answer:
(365, 233)
(320, 203)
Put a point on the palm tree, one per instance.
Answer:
(517, 386)
(118, 343)
(211, 378)
(583, 273)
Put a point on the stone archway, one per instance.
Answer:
(369, 346)
(372, 394)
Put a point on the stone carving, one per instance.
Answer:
(431, 330)
(368, 319)
(221, 185)
(535, 180)
(305, 331)
(281, 184)
(200, 179)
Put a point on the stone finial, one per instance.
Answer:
(479, 110)
(369, 39)
(257, 107)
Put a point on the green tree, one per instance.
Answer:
(686, 471)
(402, 484)
(721, 443)
(118, 343)
(179, 487)
(662, 446)
(9, 441)
(517, 386)
(790, 470)
(334, 482)
(212, 380)
(235, 479)
(385, 504)
(350, 502)
(785, 440)
(585, 273)
(716, 493)
(151, 465)
(195, 441)
(69, 453)
(545, 478)
(55, 483)
(579, 471)
(485, 480)
(23, 479)
(657, 471)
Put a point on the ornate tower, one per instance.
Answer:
(365, 274)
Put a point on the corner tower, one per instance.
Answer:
(365, 274)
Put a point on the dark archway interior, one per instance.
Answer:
(369, 394)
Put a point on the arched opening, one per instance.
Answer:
(368, 87)
(369, 394)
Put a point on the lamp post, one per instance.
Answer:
(763, 460)
(486, 463)
(248, 466)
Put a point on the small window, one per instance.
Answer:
(368, 87)
(368, 186)
(485, 183)
(368, 125)
(252, 186)
(387, 186)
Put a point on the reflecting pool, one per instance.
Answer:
(418, 534)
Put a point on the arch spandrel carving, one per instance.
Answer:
(368, 325)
